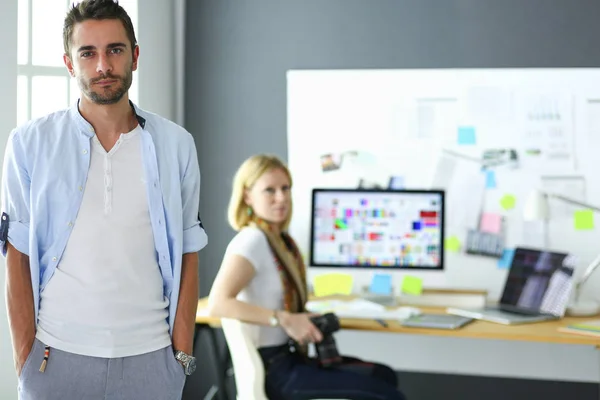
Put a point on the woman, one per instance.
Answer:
(262, 281)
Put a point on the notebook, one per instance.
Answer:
(589, 328)
(436, 321)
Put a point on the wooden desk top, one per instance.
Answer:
(536, 332)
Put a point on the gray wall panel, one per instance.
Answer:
(237, 54)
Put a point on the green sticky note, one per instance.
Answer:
(412, 285)
(330, 284)
(584, 220)
(452, 244)
(508, 201)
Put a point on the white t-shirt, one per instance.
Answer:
(105, 298)
(265, 289)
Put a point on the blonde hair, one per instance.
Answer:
(245, 177)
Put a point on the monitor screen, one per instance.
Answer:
(377, 228)
(538, 281)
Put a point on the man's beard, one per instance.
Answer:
(107, 96)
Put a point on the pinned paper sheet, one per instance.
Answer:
(465, 197)
(412, 285)
(444, 172)
(329, 284)
(508, 201)
(466, 135)
(506, 260)
(490, 179)
(491, 223)
(489, 103)
(584, 220)
(575, 186)
(381, 284)
(533, 234)
(452, 244)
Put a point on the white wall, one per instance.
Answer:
(8, 113)
(325, 110)
(157, 93)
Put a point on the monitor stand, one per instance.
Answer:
(382, 299)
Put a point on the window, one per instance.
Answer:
(43, 83)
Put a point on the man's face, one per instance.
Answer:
(102, 60)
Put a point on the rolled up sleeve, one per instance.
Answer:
(14, 223)
(194, 236)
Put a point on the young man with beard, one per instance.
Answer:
(100, 230)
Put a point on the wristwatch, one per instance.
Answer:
(187, 362)
(274, 320)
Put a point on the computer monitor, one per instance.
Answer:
(373, 229)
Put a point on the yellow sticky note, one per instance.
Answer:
(508, 201)
(452, 244)
(412, 285)
(329, 284)
(584, 220)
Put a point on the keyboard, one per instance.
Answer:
(361, 309)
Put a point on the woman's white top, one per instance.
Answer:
(265, 289)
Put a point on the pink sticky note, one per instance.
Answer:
(491, 223)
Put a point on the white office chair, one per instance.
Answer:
(247, 365)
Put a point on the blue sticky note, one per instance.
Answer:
(466, 135)
(490, 179)
(506, 260)
(381, 284)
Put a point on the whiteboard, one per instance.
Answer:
(431, 129)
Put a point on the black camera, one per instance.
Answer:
(327, 351)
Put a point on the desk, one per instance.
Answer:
(536, 332)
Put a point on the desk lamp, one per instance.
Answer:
(536, 208)
(580, 308)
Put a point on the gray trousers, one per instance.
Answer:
(152, 376)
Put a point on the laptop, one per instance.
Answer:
(537, 289)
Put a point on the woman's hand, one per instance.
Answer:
(299, 327)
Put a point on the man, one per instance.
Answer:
(101, 231)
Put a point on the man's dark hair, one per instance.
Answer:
(98, 10)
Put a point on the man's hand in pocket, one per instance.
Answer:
(22, 354)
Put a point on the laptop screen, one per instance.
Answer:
(538, 282)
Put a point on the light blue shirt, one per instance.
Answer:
(45, 171)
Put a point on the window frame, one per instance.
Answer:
(30, 70)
